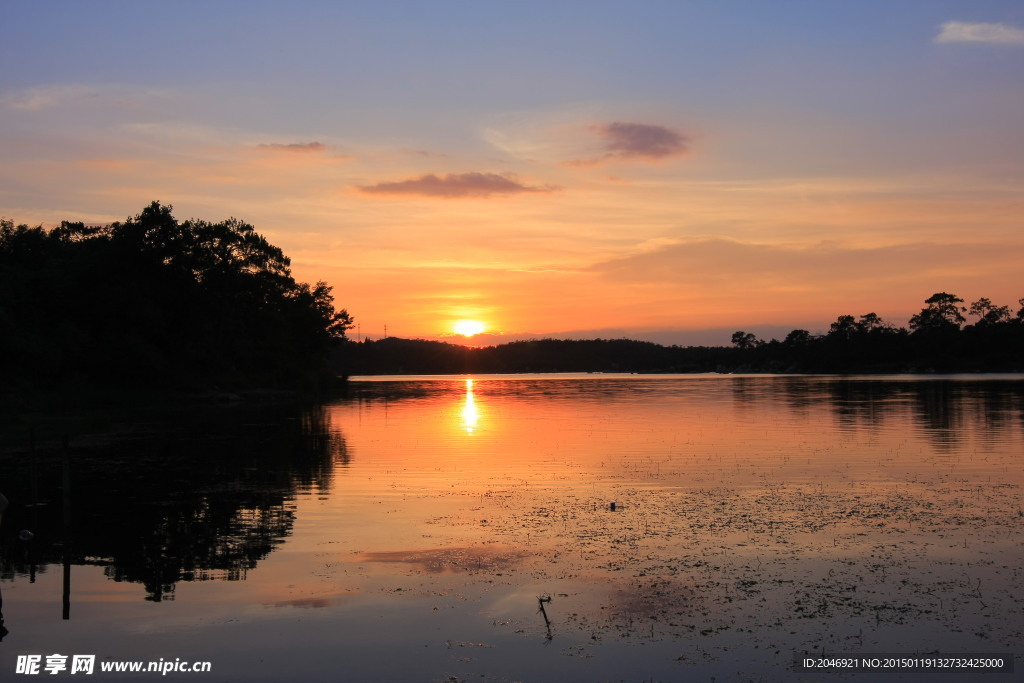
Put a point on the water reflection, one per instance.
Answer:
(818, 513)
(941, 409)
(936, 407)
(470, 413)
(196, 501)
(209, 497)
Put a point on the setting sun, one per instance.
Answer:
(468, 328)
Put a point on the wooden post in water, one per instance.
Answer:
(65, 462)
(33, 483)
(541, 599)
(3, 631)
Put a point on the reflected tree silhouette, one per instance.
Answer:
(3, 629)
(938, 407)
(860, 404)
(208, 496)
(202, 501)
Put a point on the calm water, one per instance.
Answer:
(413, 529)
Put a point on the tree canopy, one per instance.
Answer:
(943, 312)
(155, 302)
(938, 339)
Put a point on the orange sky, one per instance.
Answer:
(617, 178)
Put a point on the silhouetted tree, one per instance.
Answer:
(159, 302)
(870, 323)
(845, 327)
(941, 313)
(988, 313)
(745, 340)
(797, 339)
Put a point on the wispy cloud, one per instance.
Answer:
(44, 97)
(455, 185)
(993, 34)
(426, 153)
(299, 147)
(637, 141)
(115, 100)
(800, 267)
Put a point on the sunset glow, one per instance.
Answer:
(469, 328)
(751, 168)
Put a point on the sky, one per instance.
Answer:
(671, 171)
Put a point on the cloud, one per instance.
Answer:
(792, 267)
(993, 34)
(112, 101)
(640, 140)
(454, 185)
(44, 97)
(110, 164)
(425, 153)
(299, 147)
(637, 141)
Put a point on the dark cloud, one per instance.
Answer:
(644, 141)
(637, 141)
(455, 185)
(301, 147)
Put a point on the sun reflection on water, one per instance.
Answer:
(470, 413)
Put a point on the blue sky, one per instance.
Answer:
(507, 162)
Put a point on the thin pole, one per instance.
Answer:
(65, 461)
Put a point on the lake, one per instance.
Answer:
(528, 528)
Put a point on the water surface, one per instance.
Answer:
(413, 528)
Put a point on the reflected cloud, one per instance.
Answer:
(439, 560)
(306, 603)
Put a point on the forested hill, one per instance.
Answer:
(155, 303)
(937, 340)
(413, 356)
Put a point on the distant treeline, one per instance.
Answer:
(159, 304)
(155, 303)
(937, 340)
